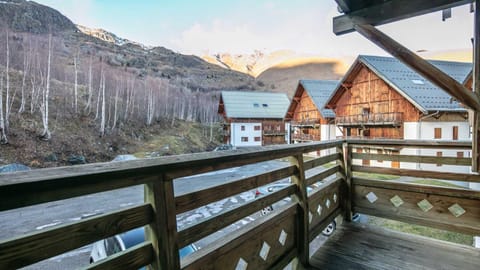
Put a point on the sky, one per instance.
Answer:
(242, 26)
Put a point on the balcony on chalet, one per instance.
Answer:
(321, 190)
(305, 137)
(305, 123)
(370, 119)
(274, 132)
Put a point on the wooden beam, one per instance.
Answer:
(476, 90)
(420, 65)
(390, 11)
(343, 5)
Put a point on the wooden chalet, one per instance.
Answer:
(253, 118)
(380, 97)
(309, 120)
(321, 190)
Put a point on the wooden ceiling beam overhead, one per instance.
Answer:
(382, 12)
(421, 66)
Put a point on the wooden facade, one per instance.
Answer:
(305, 112)
(367, 106)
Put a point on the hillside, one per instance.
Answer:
(105, 98)
(280, 70)
(285, 76)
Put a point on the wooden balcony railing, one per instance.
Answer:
(306, 137)
(287, 231)
(274, 133)
(269, 242)
(305, 122)
(371, 119)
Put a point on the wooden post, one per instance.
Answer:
(303, 218)
(476, 90)
(347, 198)
(163, 231)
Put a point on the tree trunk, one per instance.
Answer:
(89, 96)
(102, 120)
(75, 87)
(3, 134)
(46, 131)
(7, 94)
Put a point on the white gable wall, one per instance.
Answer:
(245, 137)
(426, 131)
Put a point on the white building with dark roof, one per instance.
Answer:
(254, 118)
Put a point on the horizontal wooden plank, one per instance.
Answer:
(247, 241)
(362, 246)
(328, 187)
(439, 144)
(464, 177)
(323, 174)
(321, 161)
(318, 228)
(196, 199)
(395, 185)
(284, 260)
(415, 159)
(215, 223)
(25, 250)
(44, 185)
(409, 211)
(390, 11)
(132, 258)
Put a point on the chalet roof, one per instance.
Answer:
(411, 85)
(242, 104)
(319, 92)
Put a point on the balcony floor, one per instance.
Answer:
(359, 246)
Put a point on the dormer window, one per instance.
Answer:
(265, 105)
(418, 82)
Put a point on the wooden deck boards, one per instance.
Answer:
(359, 246)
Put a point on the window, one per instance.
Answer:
(257, 128)
(439, 154)
(265, 105)
(460, 154)
(244, 139)
(380, 152)
(438, 133)
(242, 128)
(256, 105)
(418, 82)
(258, 139)
(455, 133)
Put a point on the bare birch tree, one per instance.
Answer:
(90, 91)
(75, 86)
(102, 119)
(3, 133)
(7, 94)
(45, 98)
(26, 68)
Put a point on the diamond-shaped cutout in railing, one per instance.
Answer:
(371, 197)
(425, 205)
(264, 251)
(456, 210)
(327, 203)
(282, 239)
(335, 197)
(310, 217)
(241, 264)
(396, 201)
(319, 210)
